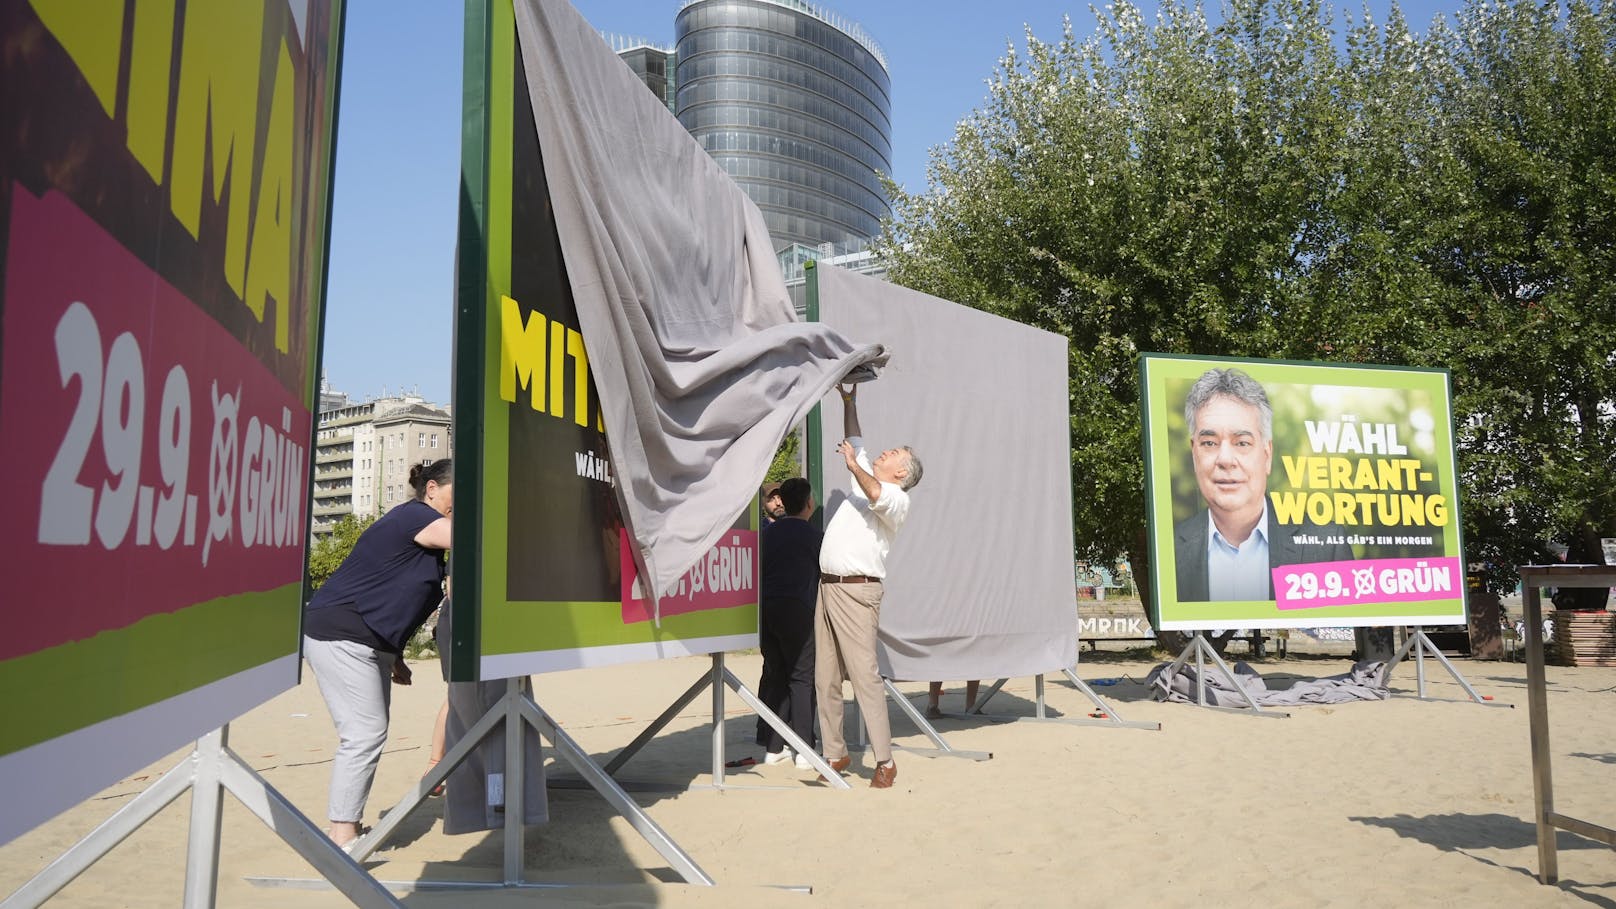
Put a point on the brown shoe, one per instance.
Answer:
(838, 765)
(884, 775)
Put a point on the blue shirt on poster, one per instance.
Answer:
(1238, 572)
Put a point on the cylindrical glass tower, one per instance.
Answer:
(795, 103)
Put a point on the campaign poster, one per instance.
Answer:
(164, 185)
(1299, 495)
(543, 576)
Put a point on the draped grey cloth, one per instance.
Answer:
(979, 583)
(470, 806)
(701, 366)
(1365, 681)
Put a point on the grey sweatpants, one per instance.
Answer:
(357, 684)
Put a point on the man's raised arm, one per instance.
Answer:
(850, 421)
(850, 427)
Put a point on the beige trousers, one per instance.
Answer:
(845, 621)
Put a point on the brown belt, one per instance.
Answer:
(847, 579)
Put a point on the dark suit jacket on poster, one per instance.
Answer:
(1189, 551)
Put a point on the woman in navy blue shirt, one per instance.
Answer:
(355, 628)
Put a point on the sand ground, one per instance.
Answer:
(1397, 803)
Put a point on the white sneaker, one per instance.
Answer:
(802, 762)
(777, 757)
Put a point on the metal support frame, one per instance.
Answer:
(1533, 579)
(1421, 644)
(1108, 713)
(940, 748)
(513, 710)
(207, 773)
(1201, 649)
(717, 678)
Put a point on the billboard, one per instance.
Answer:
(544, 577)
(1304, 495)
(979, 582)
(164, 188)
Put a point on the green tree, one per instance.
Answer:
(1530, 101)
(1159, 187)
(1250, 188)
(785, 466)
(328, 552)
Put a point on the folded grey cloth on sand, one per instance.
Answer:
(1365, 681)
(700, 363)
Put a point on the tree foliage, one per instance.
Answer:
(785, 466)
(1253, 186)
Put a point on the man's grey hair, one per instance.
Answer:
(915, 470)
(1228, 383)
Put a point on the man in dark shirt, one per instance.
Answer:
(788, 551)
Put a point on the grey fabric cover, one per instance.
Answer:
(701, 366)
(1365, 681)
(466, 807)
(980, 582)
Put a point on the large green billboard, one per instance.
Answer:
(543, 577)
(1286, 495)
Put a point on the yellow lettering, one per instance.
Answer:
(1345, 508)
(1295, 469)
(558, 372)
(521, 353)
(1340, 473)
(1436, 511)
(1318, 473)
(149, 82)
(91, 31)
(1289, 507)
(580, 374)
(1390, 478)
(269, 271)
(218, 108)
(1365, 478)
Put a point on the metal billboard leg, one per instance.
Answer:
(778, 725)
(207, 771)
(602, 783)
(942, 749)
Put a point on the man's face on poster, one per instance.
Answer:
(1232, 459)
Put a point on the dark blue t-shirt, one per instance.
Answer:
(789, 552)
(390, 581)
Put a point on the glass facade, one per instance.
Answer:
(652, 64)
(795, 103)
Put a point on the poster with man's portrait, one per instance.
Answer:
(1291, 495)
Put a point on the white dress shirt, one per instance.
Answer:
(860, 533)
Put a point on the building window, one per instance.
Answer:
(434, 440)
(420, 440)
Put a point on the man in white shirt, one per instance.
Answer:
(852, 565)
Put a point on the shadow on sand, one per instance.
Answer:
(1460, 833)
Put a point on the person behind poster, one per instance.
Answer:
(773, 507)
(788, 585)
(1227, 551)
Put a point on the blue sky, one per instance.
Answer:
(389, 319)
